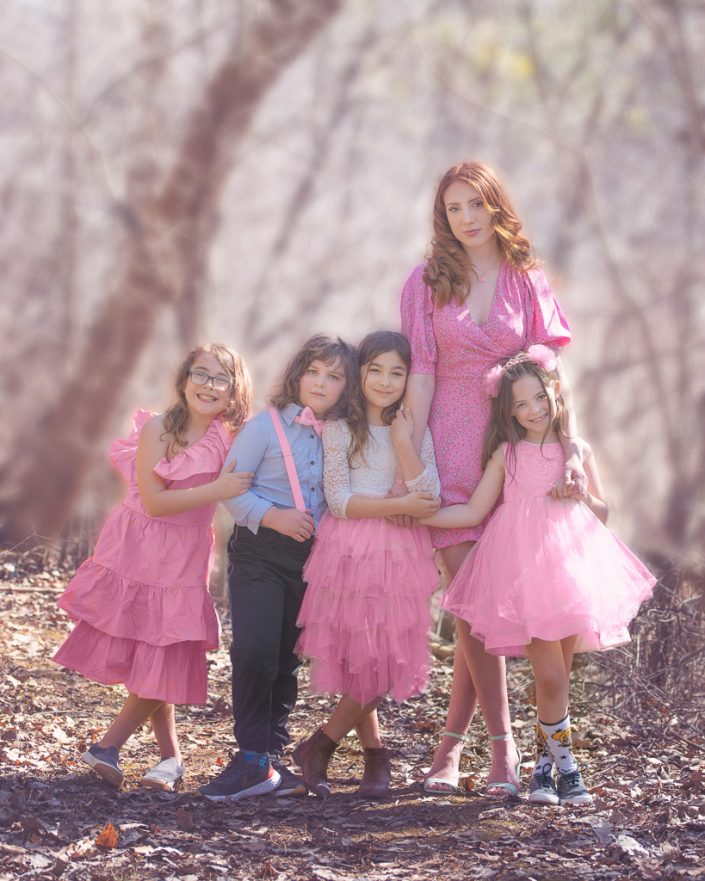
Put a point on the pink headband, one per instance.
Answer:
(541, 355)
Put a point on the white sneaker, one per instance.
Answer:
(167, 775)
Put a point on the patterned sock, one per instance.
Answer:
(559, 743)
(543, 754)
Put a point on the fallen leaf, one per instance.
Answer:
(107, 837)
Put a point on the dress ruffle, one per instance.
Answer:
(157, 614)
(365, 612)
(204, 457)
(177, 673)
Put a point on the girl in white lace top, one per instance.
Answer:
(365, 614)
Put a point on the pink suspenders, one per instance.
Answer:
(288, 460)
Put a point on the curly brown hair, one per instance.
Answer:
(503, 427)
(447, 264)
(176, 418)
(373, 345)
(326, 349)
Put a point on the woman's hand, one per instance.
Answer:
(231, 483)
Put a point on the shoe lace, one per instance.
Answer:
(571, 778)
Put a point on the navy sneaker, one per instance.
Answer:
(104, 761)
(291, 784)
(246, 774)
(572, 789)
(542, 789)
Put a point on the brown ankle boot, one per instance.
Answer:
(377, 774)
(312, 756)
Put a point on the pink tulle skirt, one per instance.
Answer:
(548, 570)
(365, 614)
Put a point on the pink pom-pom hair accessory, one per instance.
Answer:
(537, 354)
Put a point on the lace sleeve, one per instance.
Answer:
(336, 472)
(428, 481)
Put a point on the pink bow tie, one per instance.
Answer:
(307, 417)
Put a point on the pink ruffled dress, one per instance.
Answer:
(546, 568)
(144, 615)
(458, 351)
(365, 613)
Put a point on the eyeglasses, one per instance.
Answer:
(200, 377)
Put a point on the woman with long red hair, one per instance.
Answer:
(480, 296)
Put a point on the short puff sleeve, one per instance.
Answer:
(545, 322)
(417, 322)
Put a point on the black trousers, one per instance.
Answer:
(266, 590)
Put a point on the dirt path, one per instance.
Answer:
(648, 820)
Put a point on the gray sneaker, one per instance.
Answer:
(104, 761)
(542, 789)
(572, 790)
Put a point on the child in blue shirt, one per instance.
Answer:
(273, 536)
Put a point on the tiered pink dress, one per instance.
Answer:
(546, 568)
(145, 617)
(449, 344)
(365, 613)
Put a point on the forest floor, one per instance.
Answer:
(648, 782)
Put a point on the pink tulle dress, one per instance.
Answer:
(144, 615)
(449, 344)
(365, 613)
(546, 568)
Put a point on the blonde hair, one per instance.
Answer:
(448, 265)
(176, 418)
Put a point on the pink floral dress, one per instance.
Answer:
(144, 615)
(448, 343)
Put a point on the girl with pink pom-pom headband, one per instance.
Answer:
(538, 354)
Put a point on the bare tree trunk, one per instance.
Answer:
(168, 238)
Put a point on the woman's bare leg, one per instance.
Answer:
(483, 680)
(463, 699)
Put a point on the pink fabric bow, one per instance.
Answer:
(307, 417)
(538, 354)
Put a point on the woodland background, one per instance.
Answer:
(252, 171)
(255, 171)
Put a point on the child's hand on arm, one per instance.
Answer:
(231, 483)
(161, 501)
(288, 521)
(418, 505)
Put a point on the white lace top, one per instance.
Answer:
(375, 476)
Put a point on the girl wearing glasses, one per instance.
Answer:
(144, 615)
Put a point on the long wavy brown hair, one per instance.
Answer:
(371, 347)
(326, 349)
(503, 427)
(448, 266)
(176, 418)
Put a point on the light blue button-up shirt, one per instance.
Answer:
(256, 448)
